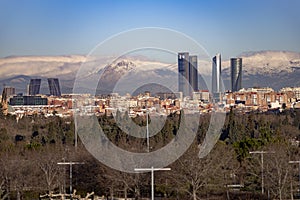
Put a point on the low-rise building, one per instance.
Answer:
(20, 100)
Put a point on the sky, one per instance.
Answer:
(63, 27)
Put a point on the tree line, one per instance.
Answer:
(31, 147)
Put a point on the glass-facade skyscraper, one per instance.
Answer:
(216, 84)
(216, 74)
(236, 74)
(183, 70)
(188, 73)
(54, 87)
(193, 72)
(34, 86)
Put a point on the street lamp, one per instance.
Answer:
(262, 165)
(152, 169)
(296, 162)
(70, 164)
(147, 129)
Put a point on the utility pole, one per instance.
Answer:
(152, 169)
(296, 162)
(262, 166)
(70, 164)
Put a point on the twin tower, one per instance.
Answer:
(188, 74)
(53, 83)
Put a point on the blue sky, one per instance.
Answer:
(62, 27)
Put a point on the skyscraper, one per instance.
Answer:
(188, 73)
(236, 74)
(54, 87)
(193, 68)
(183, 70)
(34, 86)
(216, 74)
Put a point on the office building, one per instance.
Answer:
(9, 91)
(216, 84)
(54, 87)
(188, 73)
(216, 74)
(21, 100)
(193, 69)
(236, 74)
(183, 70)
(34, 86)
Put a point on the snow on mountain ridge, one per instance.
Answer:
(266, 62)
(48, 66)
(66, 67)
(22, 59)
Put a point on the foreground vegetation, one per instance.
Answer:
(31, 148)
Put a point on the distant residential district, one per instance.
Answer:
(244, 100)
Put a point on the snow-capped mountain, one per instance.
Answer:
(126, 75)
(268, 62)
(47, 66)
(275, 69)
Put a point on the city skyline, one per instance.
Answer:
(257, 67)
(94, 91)
(64, 27)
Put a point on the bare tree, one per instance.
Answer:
(18, 173)
(47, 162)
(192, 174)
(126, 182)
(277, 169)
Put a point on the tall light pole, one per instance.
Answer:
(152, 169)
(147, 129)
(296, 162)
(70, 164)
(262, 165)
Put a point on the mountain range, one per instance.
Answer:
(275, 69)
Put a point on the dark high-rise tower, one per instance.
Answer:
(34, 86)
(188, 73)
(183, 70)
(193, 68)
(54, 87)
(236, 74)
(216, 74)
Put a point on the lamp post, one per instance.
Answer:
(262, 165)
(152, 169)
(296, 162)
(70, 164)
(147, 128)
